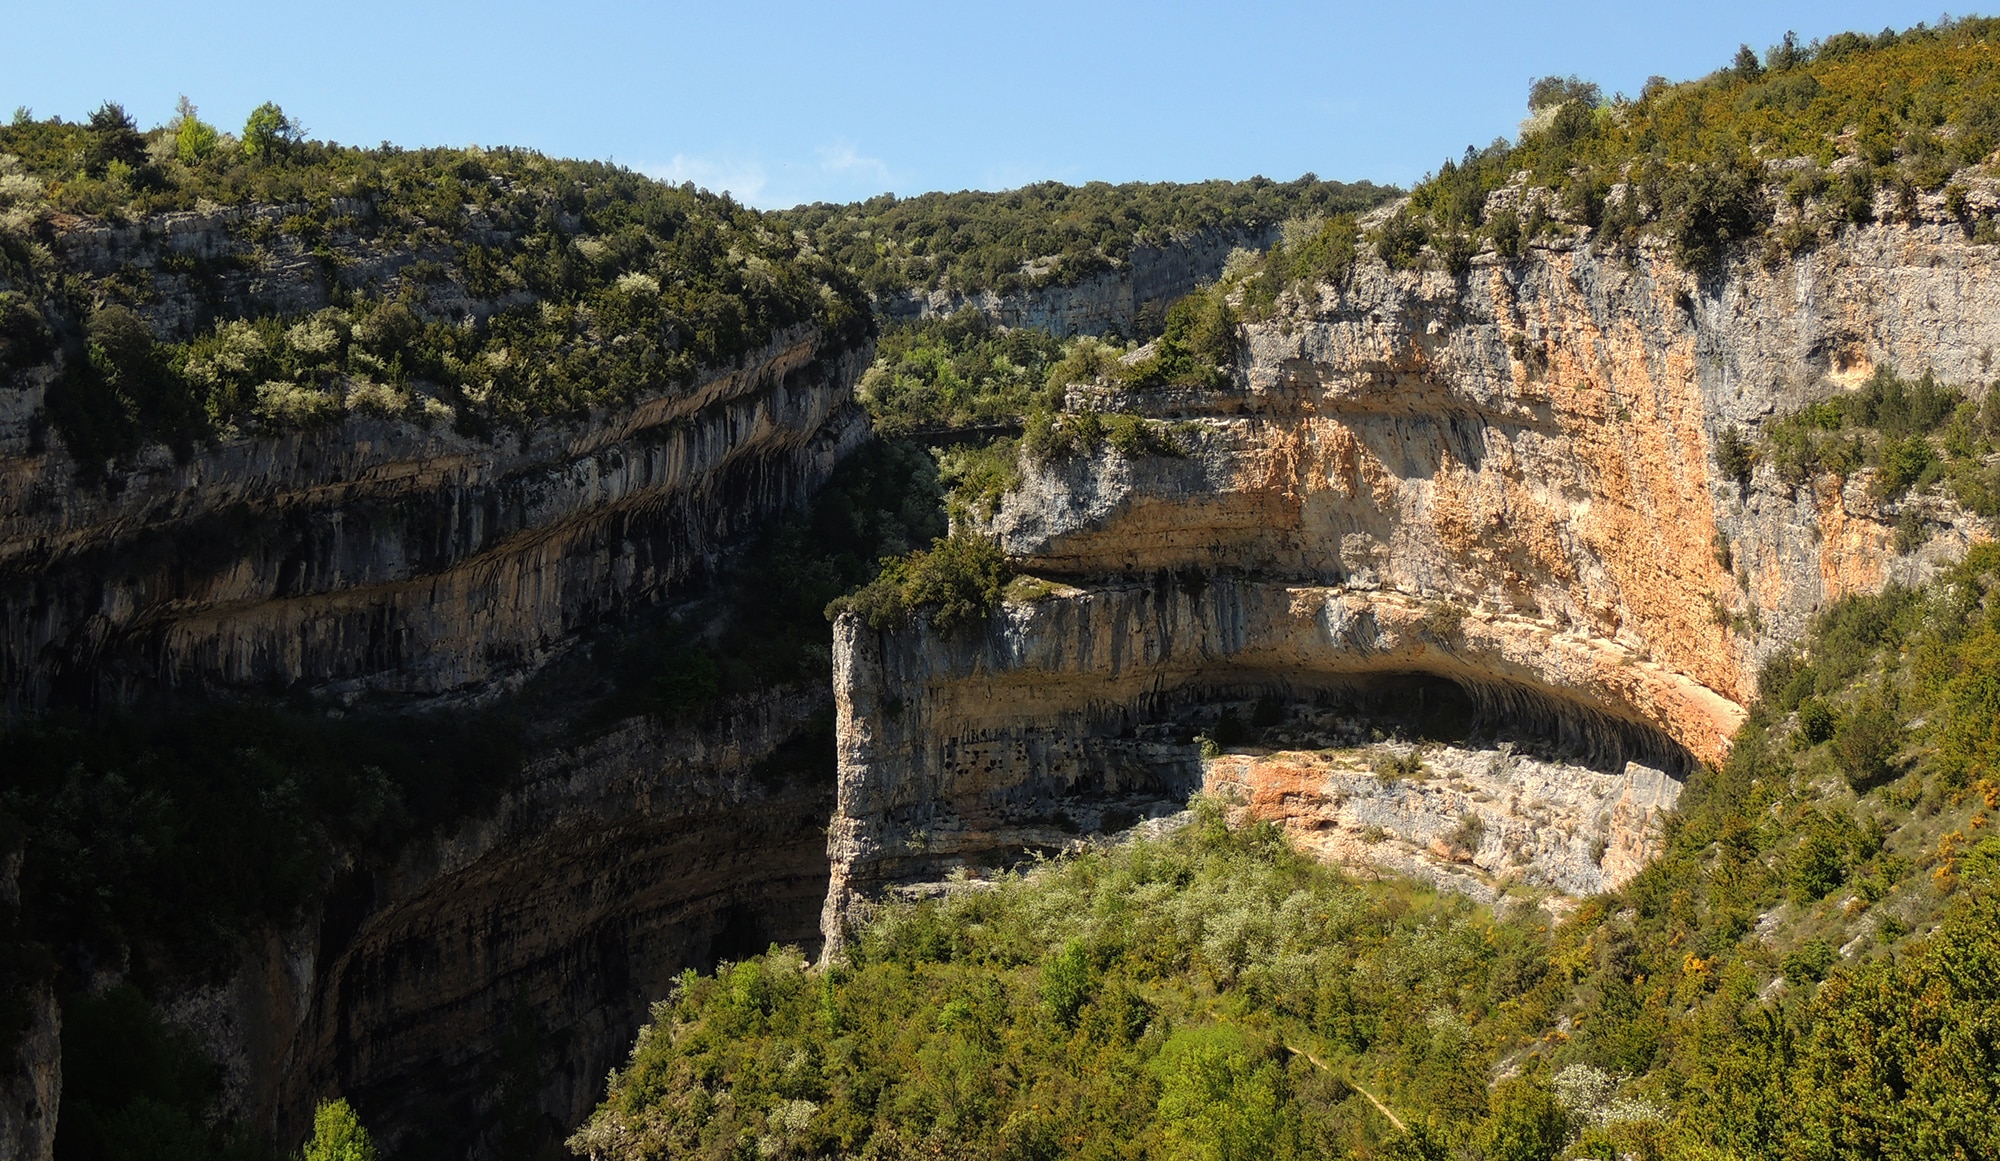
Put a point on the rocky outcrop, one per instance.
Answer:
(1504, 480)
(473, 993)
(1472, 819)
(1137, 292)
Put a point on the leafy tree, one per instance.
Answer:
(958, 581)
(1555, 91)
(113, 138)
(269, 133)
(1526, 1123)
(338, 1135)
(194, 139)
(1745, 65)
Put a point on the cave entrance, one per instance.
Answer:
(1291, 710)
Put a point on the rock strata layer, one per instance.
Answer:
(471, 992)
(381, 557)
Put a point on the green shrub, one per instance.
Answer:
(194, 139)
(1328, 255)
(1906, 463)
(573, 321)
(1524, 1123)
(1710, 208)
(963, 371)
(1809, 963)
(1864, 746)
(1197, 347)
(1816, 866)
(687, 680)
(1909, 108)
(1068, 982)
(338, 1135)
(1064, 234)
(1734, 455)
(977, 477)
(958, 581)
(1400, 240)
(1816, 721)
(268, 133)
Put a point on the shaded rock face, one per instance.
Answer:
(471, 996)
(380, 557)
(1504, 480)
(31, 1080)
(1137, 292)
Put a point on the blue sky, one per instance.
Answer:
(789, 102)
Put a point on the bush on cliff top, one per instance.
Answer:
(959, 372)
(1913, 432)
(956, 582)
(477, 288)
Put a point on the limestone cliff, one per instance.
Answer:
(31, 1079)
(470, 990)
(1504, 479)
(381, 556)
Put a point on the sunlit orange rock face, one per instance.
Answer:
(1523, 455)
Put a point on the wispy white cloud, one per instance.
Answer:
(841, 159)
(744, 180)
(837, 171)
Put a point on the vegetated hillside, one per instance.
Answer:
(1810, 970)
(1049, 234)
(473, 288)
(1781, 151)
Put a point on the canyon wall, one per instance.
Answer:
(1503, 479)
(1140, 289)
(381, 557)
(470, 991)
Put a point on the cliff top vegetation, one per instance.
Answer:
(1787, 148)
(1049, 234)
(473, 288)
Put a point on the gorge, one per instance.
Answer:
(1457, 564)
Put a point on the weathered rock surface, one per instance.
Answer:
(1463, 818)
(1505, 480)
(378, 556)
(31, 1081)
